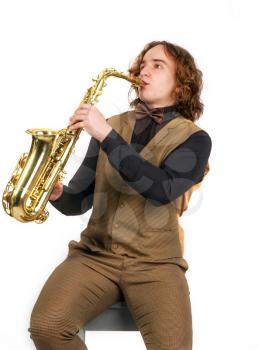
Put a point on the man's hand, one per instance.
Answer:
(57, 191)
(89, 118)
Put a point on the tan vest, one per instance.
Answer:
(123, 221)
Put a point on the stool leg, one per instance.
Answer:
(81, 334)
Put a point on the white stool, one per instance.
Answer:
(116, 318)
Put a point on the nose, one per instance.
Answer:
(144, 72)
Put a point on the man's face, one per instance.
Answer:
(157, 74)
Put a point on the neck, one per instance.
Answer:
(158, 105)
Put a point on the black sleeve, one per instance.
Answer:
(179, 171)
(77, 197)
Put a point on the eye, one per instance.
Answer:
(158, 65)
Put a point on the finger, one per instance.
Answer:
(58, 186)
(84, 107)
(79, 109)
(55, 190)
(83, 112)
(76, 126)
(77, 117)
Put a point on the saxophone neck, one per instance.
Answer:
(95, 91)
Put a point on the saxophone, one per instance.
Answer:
(36, 172)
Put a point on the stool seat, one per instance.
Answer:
(117, 317)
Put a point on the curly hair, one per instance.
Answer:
(188, 79)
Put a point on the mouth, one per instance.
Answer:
(143, 83)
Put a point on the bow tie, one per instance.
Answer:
(142, 111)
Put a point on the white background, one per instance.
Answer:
(49, 53)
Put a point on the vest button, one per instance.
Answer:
(116, 225)
(122, 205)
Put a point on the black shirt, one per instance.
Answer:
(179, 171)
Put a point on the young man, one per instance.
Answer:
(138, 175)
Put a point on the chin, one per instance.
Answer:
(146, 99)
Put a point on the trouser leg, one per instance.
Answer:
(158, 299)
(73, 295)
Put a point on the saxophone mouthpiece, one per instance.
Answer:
(135, 81)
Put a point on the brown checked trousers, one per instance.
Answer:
(85, 284)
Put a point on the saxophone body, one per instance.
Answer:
(28, 191)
